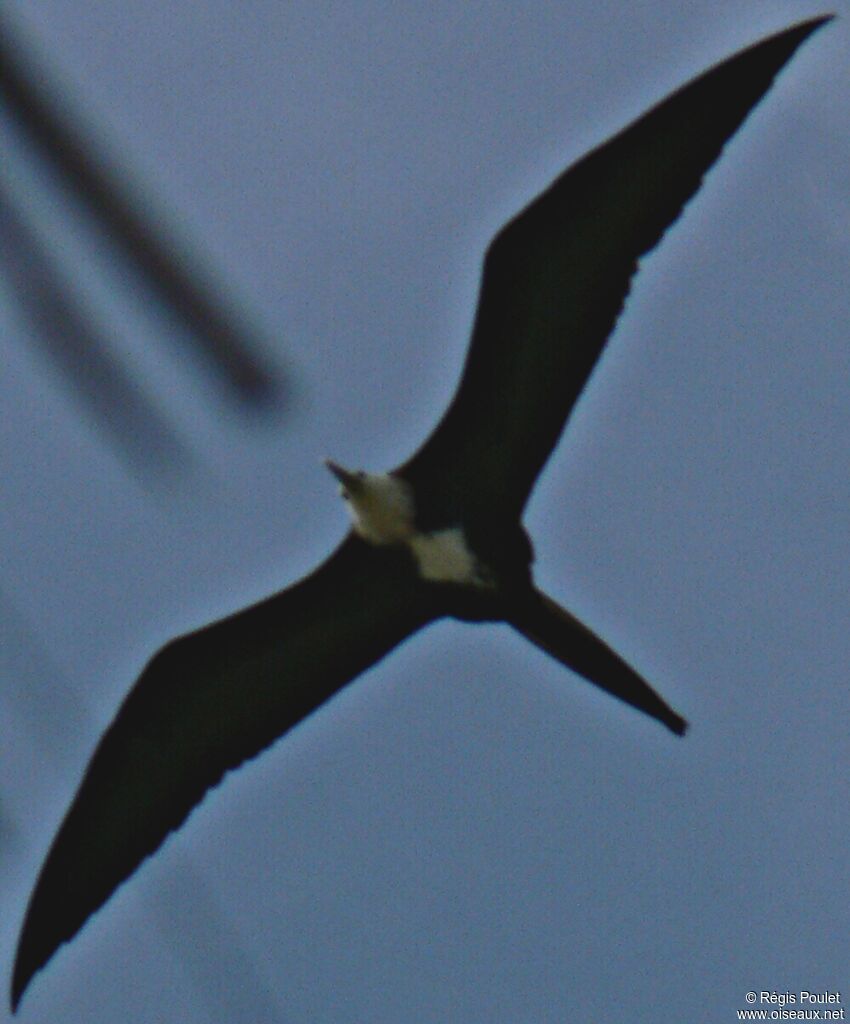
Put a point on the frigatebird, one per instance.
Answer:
(439, 536)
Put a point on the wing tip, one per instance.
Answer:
(32, 956)
(818, 20)
(22, 975)
(810, 25)
(795, 35)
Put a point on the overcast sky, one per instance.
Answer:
(469, 833)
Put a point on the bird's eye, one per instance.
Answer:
(344, 494)
(361, 475)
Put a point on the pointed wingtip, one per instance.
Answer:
(803, 29)
(18, 987)
(22, 974)
(811, 24)
(787, 41)
(33, 953)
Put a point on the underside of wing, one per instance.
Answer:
(556, 277)
(204, 704)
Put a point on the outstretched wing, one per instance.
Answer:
(556, 277)
(204, 704)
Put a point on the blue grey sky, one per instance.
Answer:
(468, 833)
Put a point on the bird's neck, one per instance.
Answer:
(382, 510)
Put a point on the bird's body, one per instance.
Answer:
(445, 556)
(440, 535)
(384, 511)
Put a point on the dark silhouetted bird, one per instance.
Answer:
(439, 536)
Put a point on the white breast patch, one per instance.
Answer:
(444, 557)
(382, 508)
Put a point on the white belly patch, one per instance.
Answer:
(382, 509)
(443, 557)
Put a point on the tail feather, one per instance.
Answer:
(561, 635)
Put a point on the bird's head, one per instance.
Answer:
(352, 483)
(380, 504)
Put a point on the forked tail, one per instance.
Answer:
(561, 635)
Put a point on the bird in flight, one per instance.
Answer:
(439, 536)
